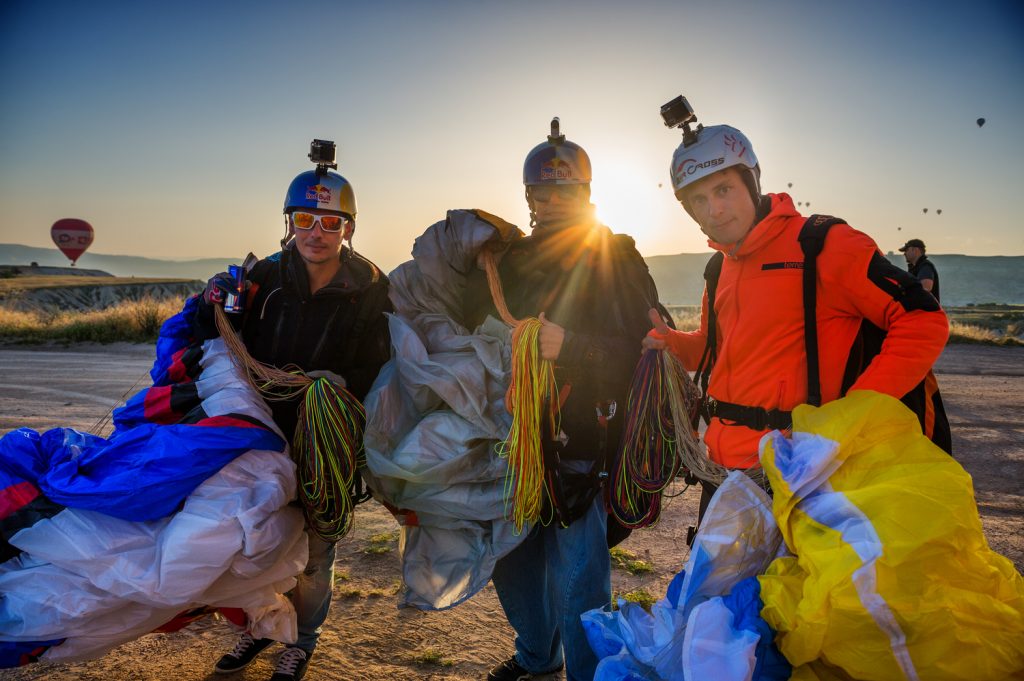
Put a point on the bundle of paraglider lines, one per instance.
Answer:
(657, 437)
(327, 446)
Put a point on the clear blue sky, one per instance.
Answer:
(174, 128)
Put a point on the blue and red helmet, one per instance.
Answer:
(321, 189)
(557, 161)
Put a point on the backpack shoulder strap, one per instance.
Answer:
(712, 272)
(812, 241)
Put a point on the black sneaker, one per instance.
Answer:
(291, 665)
(510, 670)
(245, 652)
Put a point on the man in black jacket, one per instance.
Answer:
(319, 306)
(583, 283)
(921, 267)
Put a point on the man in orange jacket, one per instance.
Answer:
(760, 367)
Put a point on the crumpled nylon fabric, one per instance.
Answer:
(231, 539)
(434, 415)
(891, 576)
(708, 625)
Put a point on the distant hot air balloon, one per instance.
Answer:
(659, 185)
(924, 210)
(807, 203)
(72, 237)
(981, 122)
(790, 185)
(899, 229)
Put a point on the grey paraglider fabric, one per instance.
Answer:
(434, 416)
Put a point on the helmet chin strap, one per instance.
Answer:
(351, 250)
(288, 235)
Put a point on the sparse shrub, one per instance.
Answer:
(149, 316)
(641, 597)
(432, 656)
(381, 543)
(628, 561)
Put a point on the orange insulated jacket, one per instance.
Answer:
(762, 360)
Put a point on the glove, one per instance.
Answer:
(329, 375)
(218, 287)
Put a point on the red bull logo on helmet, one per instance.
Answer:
(556, 169)
(318, 192)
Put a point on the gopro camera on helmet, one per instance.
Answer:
(679, 114)
(322, 153)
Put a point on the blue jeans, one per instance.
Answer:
(547, 582)
(312, 595)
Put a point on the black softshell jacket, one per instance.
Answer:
(341, 328)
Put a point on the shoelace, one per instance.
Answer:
(242, 645)
(289, 660)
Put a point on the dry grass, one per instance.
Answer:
(28, 283)
(969, 333)
(686, 317)
(131, 321)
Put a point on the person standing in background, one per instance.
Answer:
(921, 267)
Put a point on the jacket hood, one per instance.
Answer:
(355, 276)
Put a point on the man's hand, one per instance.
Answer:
(655, 339)
(551, 338)
(218, 287)
(329, 375)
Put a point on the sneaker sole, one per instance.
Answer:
(218, 670)
(235, 670)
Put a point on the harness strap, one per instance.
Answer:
(757, 418)
(812, 241)
(712, 271)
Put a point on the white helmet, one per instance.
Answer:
(715, 148)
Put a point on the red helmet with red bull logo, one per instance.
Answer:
(557, 161)
(708, 150)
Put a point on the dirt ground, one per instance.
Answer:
(366, 635)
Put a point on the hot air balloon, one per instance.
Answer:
(790, 185)
(981, 122)
(72, 237)
(924, 210)
(807, 203)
